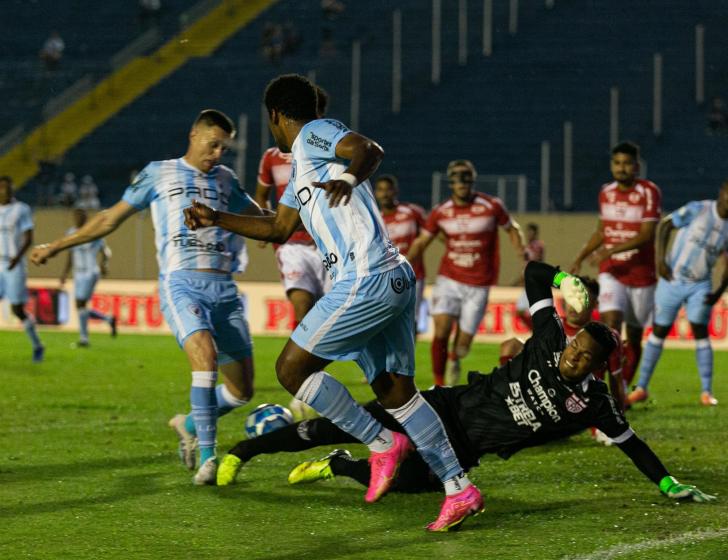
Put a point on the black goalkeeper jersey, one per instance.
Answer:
(527, 402)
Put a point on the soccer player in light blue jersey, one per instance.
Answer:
(369, 312)
(198, 297)
(83, 260)
(685, 279)
(16, 237)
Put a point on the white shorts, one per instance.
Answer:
(635, 303)
(301, 268)
(460, 300)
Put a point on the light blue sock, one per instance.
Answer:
(29, 326)
(332, 400)
(204, 411)
(650, 356)
(98, 315)
(225, 403)
(704, 357)
(426, 430)
(83, 324)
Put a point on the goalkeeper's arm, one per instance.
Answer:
(541, 277)
(646, 461)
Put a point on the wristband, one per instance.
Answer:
(349, 178)
(559, 278)
(667, 483)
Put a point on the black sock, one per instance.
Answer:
(358, 469)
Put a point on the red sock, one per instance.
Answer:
(438, 350)
(504, 359)
(632, 354)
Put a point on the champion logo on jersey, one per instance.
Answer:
(574, 404)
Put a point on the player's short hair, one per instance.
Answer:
(292, 95)
(322, 101)
(461, 163)
(606, 337)
(532, 226)
(629, 148)
(6, 179)
(591, 285)
(391, 179)
(213, 117)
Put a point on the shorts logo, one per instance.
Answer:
(303, 431)
(574, 404)
(195, 310)
(399, 285)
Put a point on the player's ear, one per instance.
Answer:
(274, 116)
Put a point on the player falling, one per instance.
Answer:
(369, 312)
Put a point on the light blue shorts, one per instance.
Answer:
(369, 320)
(670, 296)
(194, 301)
(84, 284)
(12, 283)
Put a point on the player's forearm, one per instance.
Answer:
(517, 239)
(418, 248)
(262, 228)
(644, 459)
(97, 227)
(539, 278)
(27, 242)
(663, 236)
(365, 160)
(595, 241)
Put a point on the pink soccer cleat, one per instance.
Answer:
(456, 508)
(384, 467)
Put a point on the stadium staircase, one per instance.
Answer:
(52, 139)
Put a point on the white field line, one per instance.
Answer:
(621, 549)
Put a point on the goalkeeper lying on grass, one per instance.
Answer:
(544, 393)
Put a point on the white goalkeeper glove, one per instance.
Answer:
(573, 290)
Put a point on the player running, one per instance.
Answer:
(685, 279)
(469, 221)
(83, 259)
(16, 236)
(404, 222)
(546, 392)
(198, 297)
(368, 314)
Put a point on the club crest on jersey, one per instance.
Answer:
(574, 404)
(634, 198)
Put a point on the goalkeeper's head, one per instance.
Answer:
(588, 351)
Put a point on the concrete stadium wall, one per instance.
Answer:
(134, 252)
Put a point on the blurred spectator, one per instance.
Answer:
(331, 9)
(52, 51)
(69, 190)
(272, 42)
(717, 116)
(88, 194)
(149, 12)
(291, 38)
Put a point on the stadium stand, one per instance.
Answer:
(494, 110)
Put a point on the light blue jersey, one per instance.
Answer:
(15, 220)
(701, 239)
(84, 257)
(352, 238)
(168, 187)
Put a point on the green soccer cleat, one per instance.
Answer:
(319, 469)
(228, 470)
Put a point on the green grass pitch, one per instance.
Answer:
(88, 469)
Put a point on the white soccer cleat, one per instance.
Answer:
(575, 293)
(207, 473)
(187, 442)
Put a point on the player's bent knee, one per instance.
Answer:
(660, 331)
(18, 311)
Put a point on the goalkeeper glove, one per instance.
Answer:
(673, 489)
(573, 290)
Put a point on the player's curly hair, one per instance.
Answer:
(606, 337)
(292, 95)
(629, 148)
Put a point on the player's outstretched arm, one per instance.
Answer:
(99, 226)
(646, 461)
(364, 156)
(541, 277)
(419, 245)
(276, 227)
(595, 241)
(663, 237)
(515, 234)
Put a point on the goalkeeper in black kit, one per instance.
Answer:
(546, 392)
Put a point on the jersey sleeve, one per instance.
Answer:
(239, 198)
(26, 219)
(653, 203)
(686, 214)
(321, 138)
(265, 169)
(141, 192)
(606, 416)
(503, 218)
(288, 198)
(420, 216)
(546, 322)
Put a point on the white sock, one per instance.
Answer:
(382, 442)
(456, 484)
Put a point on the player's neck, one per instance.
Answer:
(463, 201)
(388, 210)
(626, 186)
(186, 158)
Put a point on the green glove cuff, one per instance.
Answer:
(559, 277)
(667, 483)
